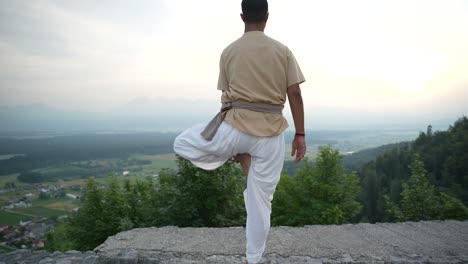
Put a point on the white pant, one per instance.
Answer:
(267, 162)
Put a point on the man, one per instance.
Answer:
(255, 76)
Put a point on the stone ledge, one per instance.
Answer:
(407, 242)
(26, 256)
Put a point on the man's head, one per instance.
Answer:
(254, 11)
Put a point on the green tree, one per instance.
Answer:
(420, 200)
(453, 208)
(196, 197)
(49, 243)
(286, 202)
(107, 211)
(141, 206)
(30, 177)
(445, 157)
(319, 194)
(87, 227)
(43, 195)
(112, 206)
(371, 193)
(10, 185)
(61, 193)
(57, 239)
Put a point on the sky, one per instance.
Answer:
(403, 56)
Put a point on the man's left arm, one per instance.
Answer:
(295, 77)
(299, 146)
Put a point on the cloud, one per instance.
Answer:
(92, 55)
(66, 56)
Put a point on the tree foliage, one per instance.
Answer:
(30, 177)
(318, 194)
(87, 227)
(59, 150)
(397, 185)
(196, 197)
(444, 155)
(187, 197)
(420, 200)
(57, 239)
(107, 211)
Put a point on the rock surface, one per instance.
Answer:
(407, 242)
(26, 256)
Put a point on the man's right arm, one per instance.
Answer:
(297, 109)
(222, 78)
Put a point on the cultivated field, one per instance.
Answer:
(7, 156)
(12, 218)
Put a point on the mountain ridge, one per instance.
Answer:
(176, 114)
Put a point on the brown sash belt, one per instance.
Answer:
(210, 130)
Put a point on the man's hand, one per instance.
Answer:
(297, 110)
(299, 148)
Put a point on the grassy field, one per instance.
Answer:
(42, 211)
(62, 204)
(69, 172)
(71, 182)
(158, 161)
(5, 196)
(6, 249)
(7, 156)
(55, 207)
(47, 208)
(64, 171)
(11, 218)
(8, 178)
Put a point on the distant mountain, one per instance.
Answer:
(137, 115)
(355, 161)
(163, 114)
(142, 106)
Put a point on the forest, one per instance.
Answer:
(403, 184)
(422, 179)
(444, 155)
(44, 152)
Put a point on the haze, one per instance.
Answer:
(399, 60)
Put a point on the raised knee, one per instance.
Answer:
(177, 145)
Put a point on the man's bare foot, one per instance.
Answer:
(244, 159)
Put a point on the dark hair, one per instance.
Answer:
(255, 11)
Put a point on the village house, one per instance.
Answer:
(38, 230)
(3, 227)
(16, 204)
(73, 196)
(8, 234)
(24, 223)
(28, 234)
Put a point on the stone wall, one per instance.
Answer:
(407, 242)
(26, 256)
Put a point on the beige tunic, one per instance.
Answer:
(256, 68)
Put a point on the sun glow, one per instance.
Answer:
(415, 72)
(353, 53)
